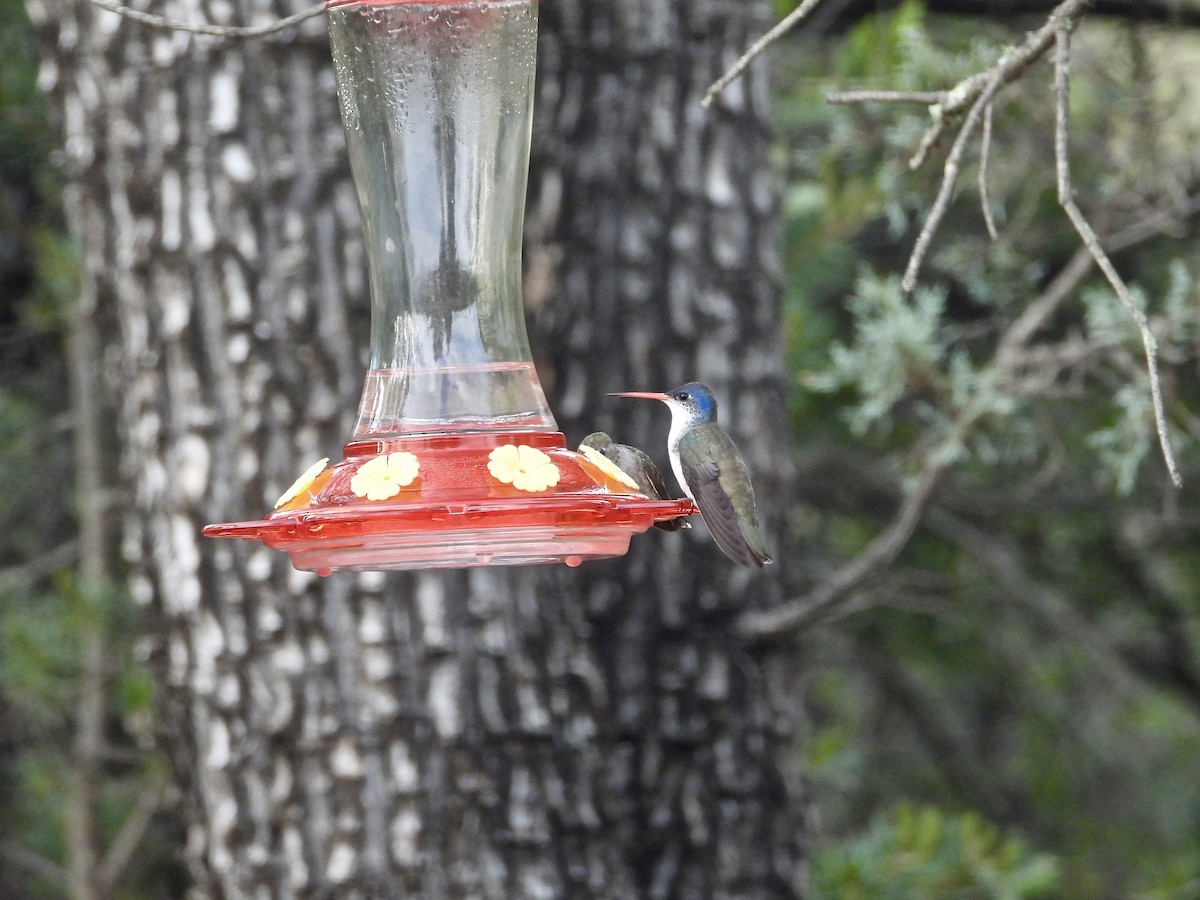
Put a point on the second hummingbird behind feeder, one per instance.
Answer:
(638, 466)
(711, 472)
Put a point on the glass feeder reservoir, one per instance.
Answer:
(456, 459)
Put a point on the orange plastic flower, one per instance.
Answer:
(382, 478)
(609, 468)
(301, 484)
(525, 468)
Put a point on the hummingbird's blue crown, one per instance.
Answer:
(697, 399)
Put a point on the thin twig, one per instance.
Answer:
(33, 862)
(24, 576)
(130, 835)
(975, 95)
(794, 18)
(82, 794)
(949, 178)
(1070, 276)
(229, 32)
(1011, 66)
(985, 145)
(1061, 287)
(946, 110)
(925, 98)
(930, 138)
(1062, 62)
(1157, 223)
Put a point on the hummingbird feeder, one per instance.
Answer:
(456, 459)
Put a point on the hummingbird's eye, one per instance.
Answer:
(683, 395)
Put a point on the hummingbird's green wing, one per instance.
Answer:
(725, 496)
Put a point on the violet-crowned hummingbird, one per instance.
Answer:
(638, 466)
(711, 472)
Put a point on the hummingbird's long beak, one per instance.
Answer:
(642, 395)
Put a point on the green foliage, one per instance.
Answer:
(1034, 653)
(896, 349)
(1122, 446)
(38, 661)
(927, 348)
(920, 853)
(25, 141)
(40, 635)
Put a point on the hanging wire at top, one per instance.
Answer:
(228, 32)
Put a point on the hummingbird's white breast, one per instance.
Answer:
(682, 419)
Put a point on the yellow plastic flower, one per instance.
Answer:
(607, 466)
(382, 477)
(302, 483)
(525, 468)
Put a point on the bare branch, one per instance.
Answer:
(24, 576)
(985, 145)
(794, 18)
(33, 862)
(929, 139)
(1077, 268)
(1062, 61)
(1043, 306)
(925, 98)
(1176, 13)
(82, 794)
(1165, 221)
(1011, 67)
(781, 620)
(229, 32)
(129, 838)
(949, 177)
(975, 95)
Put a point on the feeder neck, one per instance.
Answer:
(437, 98)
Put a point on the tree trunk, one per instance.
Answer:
(482, 733)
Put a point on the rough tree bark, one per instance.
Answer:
(486, 733)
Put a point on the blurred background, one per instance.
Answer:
(1010, 709)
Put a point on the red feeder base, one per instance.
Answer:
(456, 501)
